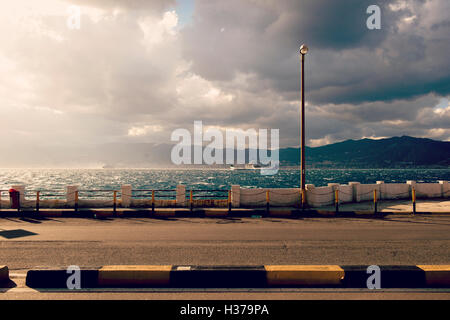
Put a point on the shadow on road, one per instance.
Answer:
(16, 233)
(230, 220)
(8, 285)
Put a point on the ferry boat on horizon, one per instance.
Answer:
(247, 166)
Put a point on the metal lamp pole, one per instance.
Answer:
(303, 51)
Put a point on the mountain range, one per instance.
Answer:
(395, 152)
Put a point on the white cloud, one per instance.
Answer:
(156, 30)
(320, 142)
(144, 130)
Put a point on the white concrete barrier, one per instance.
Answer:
(392, 191)
(345, 193)
(284, 197)
(365, 192)
(355, 187)
(445, 185)
(181, 195)
(428, 190)
(70, 195)
(235, 196)
(321, 196)
(126, 194)
(247, 197)
(252, 197)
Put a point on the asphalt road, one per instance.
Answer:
(60, 242)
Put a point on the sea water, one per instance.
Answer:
(58, 179)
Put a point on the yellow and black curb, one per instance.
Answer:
(166, 276)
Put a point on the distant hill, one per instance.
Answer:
(395, 152)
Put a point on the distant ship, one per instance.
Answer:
(247, 166)
(265, 170)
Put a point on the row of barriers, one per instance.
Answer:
(104, 198)
(152, 198)
(376, 199)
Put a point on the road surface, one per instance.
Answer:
(60, 242)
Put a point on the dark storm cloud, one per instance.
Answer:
(254, 35)
(377, 111)
(348, 63)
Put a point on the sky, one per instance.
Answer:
(137, 70)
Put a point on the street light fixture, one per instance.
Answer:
(303, 51)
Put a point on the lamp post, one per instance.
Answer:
(303, 52)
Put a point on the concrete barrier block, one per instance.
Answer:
(253, 197)
(181, 195)
(436, 275)
(411, 182)
(321, 196)
(395, 191)
(382, 189)
(129, 276)
(309, 189)
(345, 194)
(70, 195)
(57, 278)
(218, 277)
(428, 190)
(366, 191)
(397, 276)
(284, 197)
(304, 275)
(334, 187)
(355, 187)
(126, 191)
(235, 196)
(445, 185)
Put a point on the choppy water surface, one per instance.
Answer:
(57, 179)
